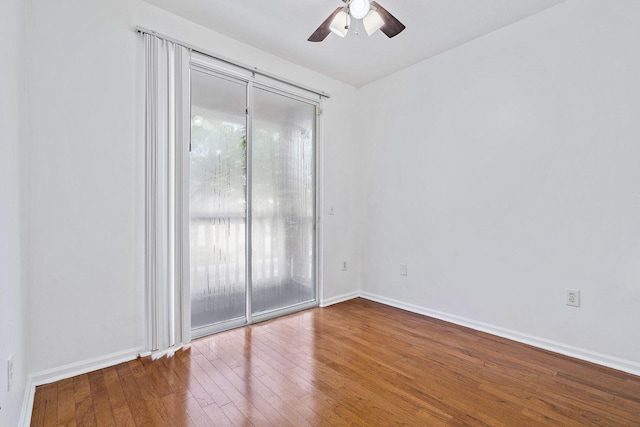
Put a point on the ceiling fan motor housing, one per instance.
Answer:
(359, 8)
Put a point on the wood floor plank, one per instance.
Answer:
(101, 405)
(133, 396)
(195, 412)
(121, 412)
(251, 404)
(216, 416)
(145, 379)
(182, 368)
(155, 374)
(50, 403)
(201, 377)
(44, 414)
(289, 391)
(85, 415)
(357, 363)
(176, 410)
(66, 404)
(37, 413)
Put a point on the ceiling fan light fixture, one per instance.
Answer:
(372, 22)
(359, 8)
(340, 24)
(373, 15)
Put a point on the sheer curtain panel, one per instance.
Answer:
(167, 163)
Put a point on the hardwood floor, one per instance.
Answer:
(355, 363)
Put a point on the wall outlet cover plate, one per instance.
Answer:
(573, 297)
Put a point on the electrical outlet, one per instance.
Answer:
(9, 372)
(344, 265)
(403, 269)
(332, 210)
(573, 297)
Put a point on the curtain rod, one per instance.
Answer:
(254, 70)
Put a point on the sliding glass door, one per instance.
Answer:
(252, 202)
(218, 200)
(283, 201)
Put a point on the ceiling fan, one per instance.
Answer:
(374, 17)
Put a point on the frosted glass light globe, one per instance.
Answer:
(340, 24)
(359, 8)
(372, 22)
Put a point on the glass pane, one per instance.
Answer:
(283, 202)
(217, 200)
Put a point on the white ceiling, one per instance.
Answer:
(281, 27)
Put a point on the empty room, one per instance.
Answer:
(320, 212)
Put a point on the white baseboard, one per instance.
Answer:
(27, 403)
(613, 362)
(67, 371)
(326, 302)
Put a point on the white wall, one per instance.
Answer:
(86, 156)
(506, 170)
(12, 294)
(84, 249)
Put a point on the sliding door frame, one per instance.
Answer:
(202, 63)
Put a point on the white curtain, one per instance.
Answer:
(167, 163)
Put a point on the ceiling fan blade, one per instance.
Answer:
(392, 27)
(323, 30)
